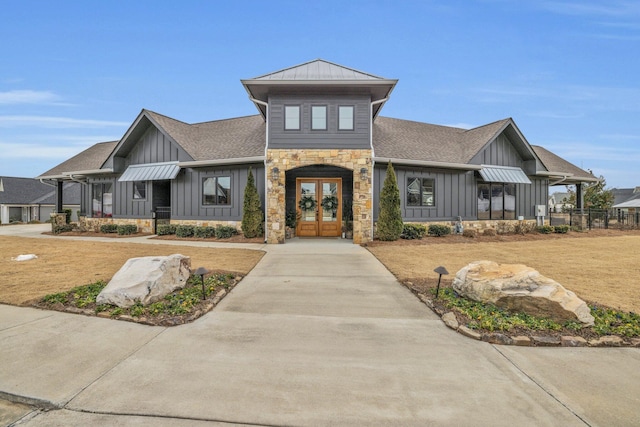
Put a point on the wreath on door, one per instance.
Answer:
(330, 203)
(307, 203)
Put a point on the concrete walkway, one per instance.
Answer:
(319, 333)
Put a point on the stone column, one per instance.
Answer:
(275, 201)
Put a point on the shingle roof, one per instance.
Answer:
(27, 191)
(404, 139)
(89, 159)
(220, 139)
(555, 163)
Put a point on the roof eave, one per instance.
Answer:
(442, 165)
(216, 162)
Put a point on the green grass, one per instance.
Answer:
(491, 318)
(180, 302)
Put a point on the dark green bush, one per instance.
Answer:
(204, 232)
(185, 230)
(109, 228)
(67, 213)
(561, 229)
(225, 231)
(545, 229)
(166, 229)
(438, 230)
(57, 229)
(127, 229)
(252, 215)
(389, 225)
(413, 231)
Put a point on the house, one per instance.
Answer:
(27, 199)
(559, 202)
(626, 199)
(318, 145)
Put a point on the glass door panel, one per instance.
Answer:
(329, 201)
(308, 201)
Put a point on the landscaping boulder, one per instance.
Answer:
(519, 288)
(146, 280)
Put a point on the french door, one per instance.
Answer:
(319, 206)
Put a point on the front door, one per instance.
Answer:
(319, 206)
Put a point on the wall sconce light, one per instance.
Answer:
(275, 174)
(364, 173)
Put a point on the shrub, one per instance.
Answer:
(204, 232)
(185, 230)
(544, 229)
(109, 228)
(225, 232)
(389, 224)
(127, 229)
(413, 231)
(504, 227)
(166, 229)
(57, 229)
(522, 227)
(470, 232)
(561, 229)
(489, 232)
(252, 210)
(438, 230)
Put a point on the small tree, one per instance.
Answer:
(252, 209)
(390, 217)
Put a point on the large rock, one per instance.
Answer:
(519, 288)
(146, 280)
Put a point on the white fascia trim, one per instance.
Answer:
(426, 163)
(88, 172)
(217, 162)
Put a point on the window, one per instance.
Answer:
(345, 117)
(139, 190)
(318, 117)
(291, 117)
(102, 200)
(216, 190)
(496, 201)
(420, 192)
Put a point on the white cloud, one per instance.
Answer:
(56, 122)
(28, 97)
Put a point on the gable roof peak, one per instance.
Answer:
(318, 69)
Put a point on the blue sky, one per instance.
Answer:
(73, 73)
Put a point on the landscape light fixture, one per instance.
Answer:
(364, 172)
(440, 270)
(201, 271)
(275, 174)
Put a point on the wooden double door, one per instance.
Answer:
(319, 206)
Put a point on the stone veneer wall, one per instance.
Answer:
(285, 160)
(93, 224)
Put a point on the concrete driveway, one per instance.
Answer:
(319, 333)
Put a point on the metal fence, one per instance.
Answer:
(161, 215)
(596, 219)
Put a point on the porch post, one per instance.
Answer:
(59, 196)
(579, 198)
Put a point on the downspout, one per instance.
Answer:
(46, 183)
(564, 178)
(266, 174)
(380, 101)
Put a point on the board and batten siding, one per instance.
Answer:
(455, 194)
(358, 138)
(155, 147)
(500, 152)
(186, 192)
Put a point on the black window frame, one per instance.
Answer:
(103, 186)
(326, 118)
(143, 195)
(299, 117)
(353, 118)
(496, 190)
(420, 198)
(215, 201)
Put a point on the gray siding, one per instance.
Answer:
(500, 153)
(186, 193)
(330, 138)
(155, 147)
(528, 196)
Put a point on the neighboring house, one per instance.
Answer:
(627, 199)
(27, 199)
(318, 137)
(558, 202)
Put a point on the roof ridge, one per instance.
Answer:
(490, 124)
(421, 123)
(317, 60)
(164, 116)
(227, 119)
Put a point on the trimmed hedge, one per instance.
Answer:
(225, 231)
(185, 230)
(204, 232)
(561, 229)
(57, 229)
(127, 229)
(438, 230)
(109, 228)
(166, 229)
(545, 229)
(413, 231)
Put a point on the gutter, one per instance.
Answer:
(216, 162)
(266, 173)
(444, 165)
